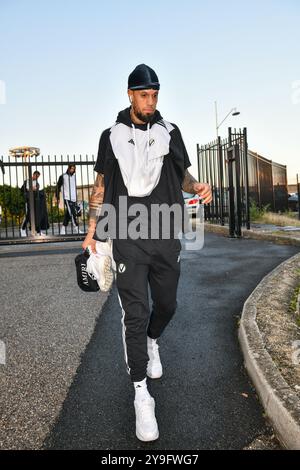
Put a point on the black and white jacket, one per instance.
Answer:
(144, 162)
(67, 183)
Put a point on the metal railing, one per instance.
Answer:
(267, 182)
(224, 165)
(239, 177)
(30, 209)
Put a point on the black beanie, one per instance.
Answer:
(142, 78)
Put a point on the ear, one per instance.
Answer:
(130, 95)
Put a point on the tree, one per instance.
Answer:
(12, 201)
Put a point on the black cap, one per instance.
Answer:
(85, 280)
(142, 78)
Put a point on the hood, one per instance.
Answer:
(124, 118)
(140, 151)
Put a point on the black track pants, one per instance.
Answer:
(26, 217)
(143, 263)
(70, 213)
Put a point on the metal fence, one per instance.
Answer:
(224, 165)
(30, 209)
(239, 177)
(267, 182)
(236, 175)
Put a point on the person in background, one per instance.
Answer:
(37, 197)
(67, 182)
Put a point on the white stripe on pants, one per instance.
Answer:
(124, 335)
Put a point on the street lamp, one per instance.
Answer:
(233, 112)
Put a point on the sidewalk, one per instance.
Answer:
(280, 235)
(270, 340)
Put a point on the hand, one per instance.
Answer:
(204, 191)
(89, 241)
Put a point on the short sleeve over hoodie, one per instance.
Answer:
(145, 163)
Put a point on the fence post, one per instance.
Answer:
(298, 191)
(230, 186)
(221, 180)
(237, 191)
(198, 152)
(231, 192)
(247, 199)
(258, 181)
(31, 201)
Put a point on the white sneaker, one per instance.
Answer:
(106, 249)
(146, 424)
(100, 266)
(107, 275)
(154, 367)
(63, 230)
(42, 234)
(23, 233)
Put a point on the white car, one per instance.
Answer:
(191, 203)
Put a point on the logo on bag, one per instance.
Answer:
(85, 275)
(178, 259)
(121, 268)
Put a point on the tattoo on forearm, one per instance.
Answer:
(188, 182)
(96, 199)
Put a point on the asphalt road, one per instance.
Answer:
(77, 394)
(204, 399)
(46, 322)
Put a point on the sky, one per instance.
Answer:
(64, 67)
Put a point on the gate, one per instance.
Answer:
(224, 165)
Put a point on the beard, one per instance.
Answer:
(143, 117)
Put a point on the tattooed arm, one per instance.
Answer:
(188, 183)
(95, 205)
(191, 185)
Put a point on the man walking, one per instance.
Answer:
(143, 159)
(67, 181)
(25, 191)
(39, 206)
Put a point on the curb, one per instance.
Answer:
(7, 251)
(280, 239)
(281, 403)
(31, 241)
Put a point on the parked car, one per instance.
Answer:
(191, 202)
(293, 201)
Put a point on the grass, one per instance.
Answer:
(280, 219)
(293, 304)
(265, 216)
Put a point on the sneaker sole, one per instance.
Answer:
(143, 439)
(153, 376)
(108, 274)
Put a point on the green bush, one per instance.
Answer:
(54, 213)
(256, 213)
(293, 304)
(12, 201)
